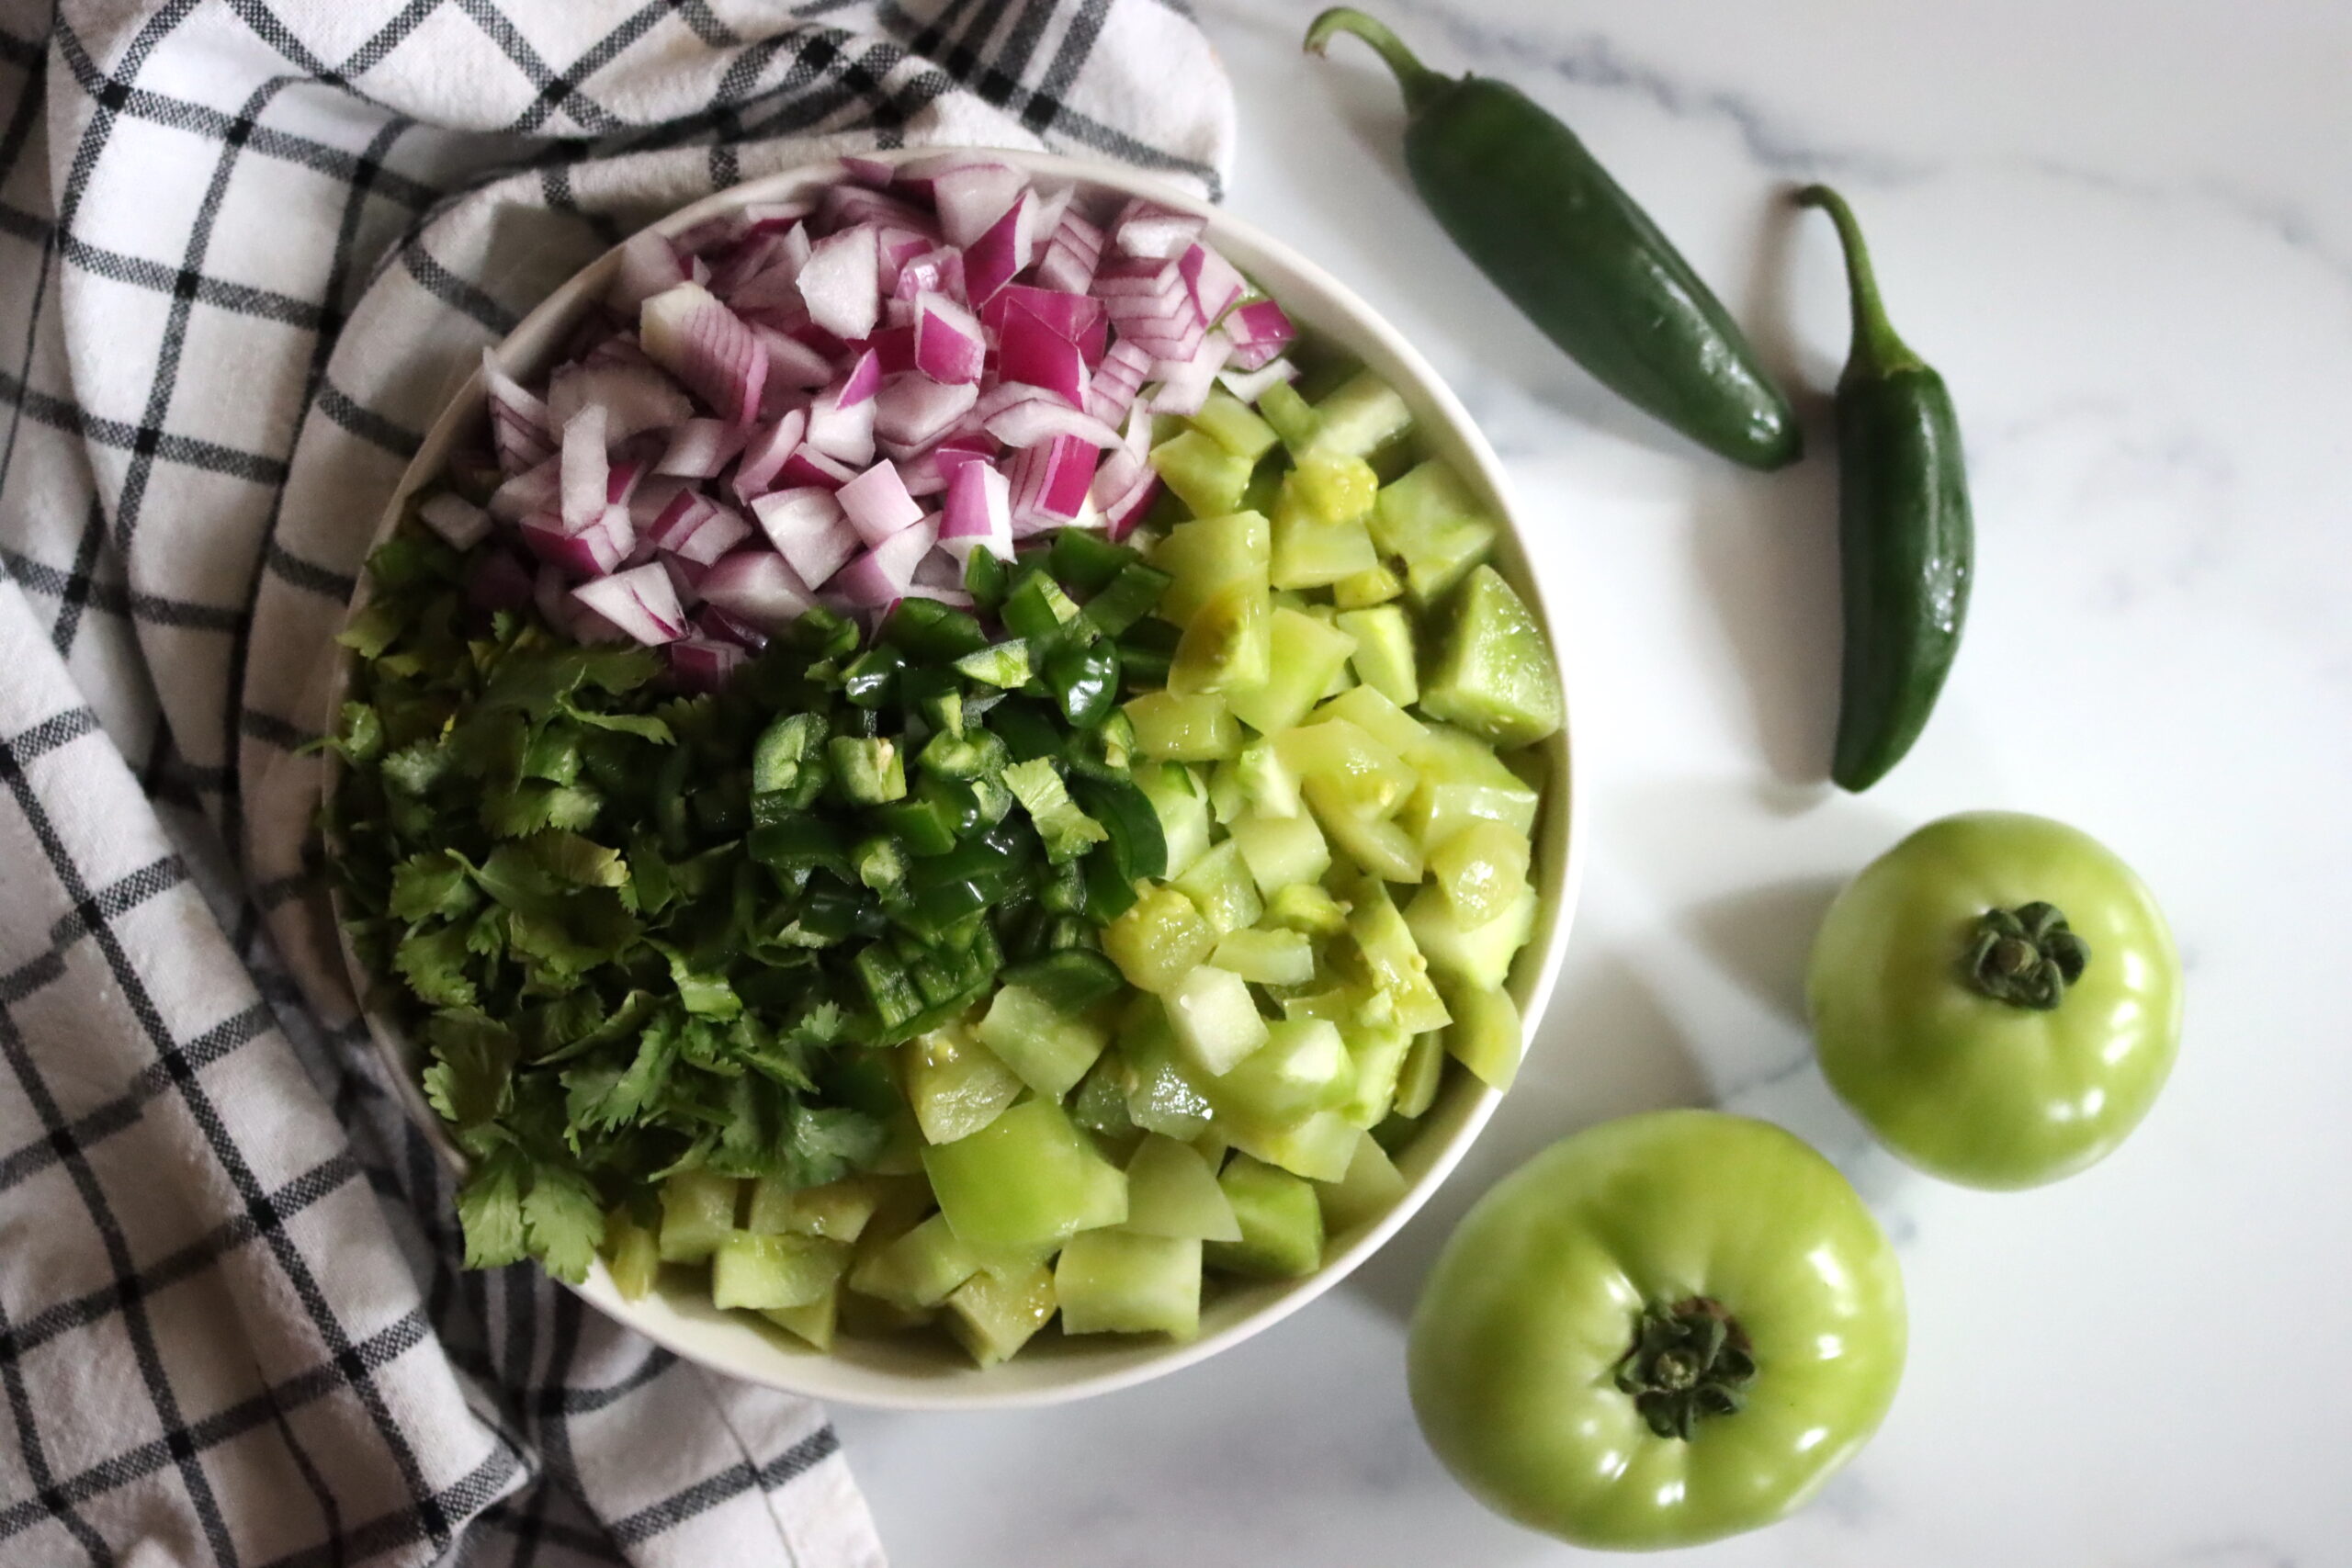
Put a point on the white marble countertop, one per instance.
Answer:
(2124, 232)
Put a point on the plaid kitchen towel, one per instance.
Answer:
(247, 248)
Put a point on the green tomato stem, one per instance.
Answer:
(1689, 1361)
(2026, 956)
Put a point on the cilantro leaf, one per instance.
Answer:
(473, 1058)
(432, 883)
(562, 1221)
(434, 965)
(490, 1207)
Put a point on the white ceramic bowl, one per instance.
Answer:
(915, 1373)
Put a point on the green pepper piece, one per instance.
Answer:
(867, 769)
(821, 634)
(1084, 682)
(880, 862)
(829, 912)
(966, 756)
(985, 577)
(782, 747)
(888, 989)
(1528, 202)
(872, 678)
(924, 826)
(1109, 892)
(1036, 608)
(1905, 539)
(1026, 729)
(931, 631)
(1106, 752)
(1063, 889)
(670, 801)
(1084, 561)
(801, 842)
(1138, 844)
(1004, 664)
(1127, 598)
(1071, 978)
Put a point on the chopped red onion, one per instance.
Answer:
(881, 577)
(689, 334)
(1040, 419)
(934, 272)
(841, 283)
(1049, 484)
(757, 589)
(972, 197)
(894, 345)
(455, 519)
(840, 429)
(948, 345)
(684, 576)
(724, 625)
(893, 249)
(586, 468)
(871, 172)
(1184, 383)
(621, 478)
(998, 256)
(846, 206)
(1146, 229)
(1071, 256)
(537, 489)
(519, 430)
(769, 449)
(1124, 487)
(1259, 330)
(1250, 385)
(699, 448)
(698, 664)
(810, 530)
(978, 512)
(686, 511)
(792, 362)
(1030, 351)
(808, 467)
(773, 216)
(741, 262)
(648, 265)
(640, 600)
(651, 499)
(1117, 380)
(877, 502)
(912, 410)
(587, 552)
(1215, 282)
(864, 380)
(636, 398)
(722, 530)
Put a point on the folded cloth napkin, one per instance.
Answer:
(246, 249)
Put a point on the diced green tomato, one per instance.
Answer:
(1206, 477)
(1270, 783)
(1228, 799)
(1027, 1177)
(1358, 776)
(1485, 1035)
(1311, 550)
(1282, 1224)
(698, 1214)
(1302, 1068)
(1100, 1103)
(1173, 1191)
(955, 1087)
(1226, 644)
(1266, 957)
(1050, 1049)
(762, 1271)
(1214, 1018)
(867, 769)
(1384, 658)
(1159, 941)
(1364, 415)
(1114, 1281)
(1371, 1186)
(814, 1323)
(1161, 1096)
(919, 1269)
(1338, 488)
(1462, 781)
(1474, 955)
(1292, 416)
(1182, 810)
(839, 1211)
(1494, 674)
(1205, 557)
(1280, 851)
(1184, 729)
(869, 1317)
(1378, 1052)
(1394, 959)
(633, 1254)
(1482, 868)
(1219, 885)
(1315, 1148)
(901, 1148)
(1303, 654)
(1373, 711)
(1429, 518)
(1366, 589)
(1417, 1081)
(1235, 427)
(992, 1316)
(1306, 907)
(1375, 845)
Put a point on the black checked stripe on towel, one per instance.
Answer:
(245, 248)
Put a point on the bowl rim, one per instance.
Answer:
(827, 1374)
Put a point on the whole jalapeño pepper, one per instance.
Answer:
(1905, 542)
(1525, 199)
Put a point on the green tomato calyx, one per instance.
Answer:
(2026, 956)
(1689, 1361)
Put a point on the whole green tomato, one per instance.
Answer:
(1997, 996)
(1662, 1330)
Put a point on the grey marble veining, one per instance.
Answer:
(2124, 232)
